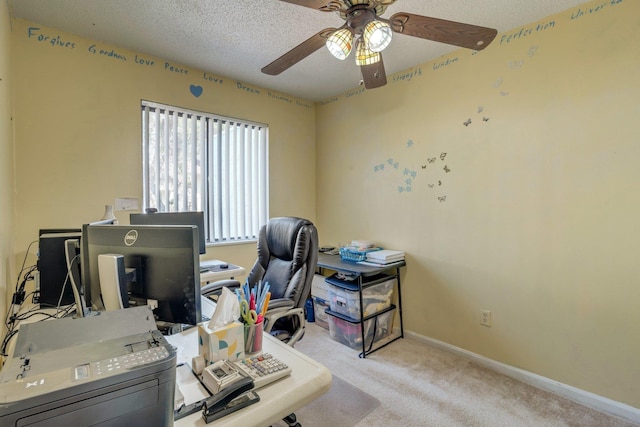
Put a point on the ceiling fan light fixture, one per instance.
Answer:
(364, 55)
(339, 43)
(377, 35)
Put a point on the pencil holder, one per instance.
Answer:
(253, 337)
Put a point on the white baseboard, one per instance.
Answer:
(583, 397)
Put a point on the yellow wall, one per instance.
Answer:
(536, 215)
(6, 165)
(534, 218)
(78, 133)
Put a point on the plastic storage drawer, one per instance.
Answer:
(349, 334)
(319, 287)
(344, 298)
(319, 307)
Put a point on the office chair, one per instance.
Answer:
(287, 259)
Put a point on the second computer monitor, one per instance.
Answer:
(173, 218)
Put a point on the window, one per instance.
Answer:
(194, 161)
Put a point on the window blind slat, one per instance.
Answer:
(182, 165)
(145, 154)
(226, 166)
(166, 143)
(194, 185)
(217, 187)
(240, 182)
(255, 191)
(211, 183)
(263, 171)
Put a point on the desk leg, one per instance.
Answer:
(364, 341)
(400, 303)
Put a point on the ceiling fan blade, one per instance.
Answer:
(298, 53)
(374, 75)
(322, 5)
(441, 30)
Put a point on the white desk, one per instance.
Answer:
(308, 381)
(217, 272)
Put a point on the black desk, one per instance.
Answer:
(334, 262)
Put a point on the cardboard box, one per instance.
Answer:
(226, 343)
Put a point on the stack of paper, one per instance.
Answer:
(363, 244)
(385, 256)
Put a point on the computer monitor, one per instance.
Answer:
(173, 218)
(166, 263)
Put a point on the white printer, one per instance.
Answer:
(113, 369)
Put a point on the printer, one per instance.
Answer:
(112, 369)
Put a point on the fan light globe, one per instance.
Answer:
(365, 56)
(378, 35)
(339, 43)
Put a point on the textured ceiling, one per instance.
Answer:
(236, 38)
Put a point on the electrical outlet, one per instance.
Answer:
(485, 318)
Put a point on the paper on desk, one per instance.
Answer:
(227, 310)
(191, 388)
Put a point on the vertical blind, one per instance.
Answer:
(194, 161)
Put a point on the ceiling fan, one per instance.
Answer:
(371, 34)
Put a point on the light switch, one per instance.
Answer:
(127, 204)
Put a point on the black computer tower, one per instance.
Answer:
(52, 266)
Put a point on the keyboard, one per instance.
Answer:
(263, 369)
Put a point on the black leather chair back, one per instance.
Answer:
(287, 258)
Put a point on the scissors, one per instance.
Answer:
(250, 316)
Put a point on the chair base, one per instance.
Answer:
(292, 420)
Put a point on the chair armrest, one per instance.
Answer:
(284, 308)
(215, 288)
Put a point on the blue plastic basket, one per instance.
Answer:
(354, 255)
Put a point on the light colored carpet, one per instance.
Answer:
(421, 385)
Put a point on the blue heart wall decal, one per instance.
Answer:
(195, 90)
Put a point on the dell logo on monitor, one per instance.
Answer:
(131, 237)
